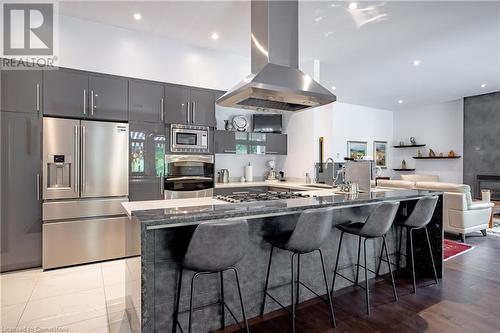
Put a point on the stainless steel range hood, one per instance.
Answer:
(276, 83)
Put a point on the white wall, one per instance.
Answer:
(337, 123)
(107, 49)
(440, 126)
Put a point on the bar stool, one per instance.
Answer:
(215, 247)
(376, 226)
(311, 230)
(418, 219)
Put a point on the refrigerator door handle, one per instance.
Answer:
(84, 160)
(38, 97)
(76, 176)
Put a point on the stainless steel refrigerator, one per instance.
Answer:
(85, 179)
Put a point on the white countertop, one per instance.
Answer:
(130, 206)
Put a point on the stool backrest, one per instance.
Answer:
(423, 211)
(380, 220)
(217, 245)
(312, 228)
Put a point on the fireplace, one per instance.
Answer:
(488, 182)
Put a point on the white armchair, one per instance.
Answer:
(461, 214)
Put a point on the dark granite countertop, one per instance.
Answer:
(173, 217)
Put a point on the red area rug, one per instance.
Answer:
(453, 249)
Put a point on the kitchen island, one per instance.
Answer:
(165, 233)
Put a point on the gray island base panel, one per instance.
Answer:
(151, 279)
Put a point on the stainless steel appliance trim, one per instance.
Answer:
(188, 178)
(82, 208)
(188, 194)
(81, 241)
(84, 159)
(92, 102)
(189, 158)
(162, 106)
(84, 101)
(38, 96)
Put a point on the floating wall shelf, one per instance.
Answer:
(410, 146)
(403, 169)
(436, 157)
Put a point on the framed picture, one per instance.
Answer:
(357, 149)
(380, 153)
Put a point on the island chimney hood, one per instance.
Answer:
(276, 83)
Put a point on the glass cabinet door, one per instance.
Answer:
(147, 150)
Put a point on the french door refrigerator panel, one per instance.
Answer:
(104, 159)
(61, 153)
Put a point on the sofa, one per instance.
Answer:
(461, 214)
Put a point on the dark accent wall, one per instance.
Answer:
(481, 137)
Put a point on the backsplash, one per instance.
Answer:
(236, 163)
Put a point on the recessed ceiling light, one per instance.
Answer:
(215, 36)
(416, 62)
(353, 6)
(483, 85)
(401, 101)
(333, 87)
(137, 16)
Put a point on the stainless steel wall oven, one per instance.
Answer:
(189, 176)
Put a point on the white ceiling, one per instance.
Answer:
(366, 53)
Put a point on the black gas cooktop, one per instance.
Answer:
(266, 196)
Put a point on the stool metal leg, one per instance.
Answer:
(177, 301)
(366, 280)
(399, 247)
(298, 278)
(241, 300)
(191, 302)
(293, 298)
(413, 262)
(337, 262)
(432, 256)
(380, 259)
(223, 320)
(267, 281)
(390, 270)
(357, 265)
(327, 289)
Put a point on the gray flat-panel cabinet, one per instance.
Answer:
(146, 101)
(145, 189)
(177, 108)
(65, 93)
(21, 90)
(108, 97)
(203, 107)
(224, 142)
(276, 144)
(21, 213)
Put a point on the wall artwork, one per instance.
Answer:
(357, 149)
(380, 153)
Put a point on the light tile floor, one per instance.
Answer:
(86, 298)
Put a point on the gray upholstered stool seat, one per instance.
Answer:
(418, 220)
(310, 232)
(215, 247)
(376, 226)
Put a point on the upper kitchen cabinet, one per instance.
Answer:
(21, 90)
(276, 144)
(224, 142)
(146, 101)
(191, 106)
(177, 99)
(202, 107)
(65, 93)
(108, 97)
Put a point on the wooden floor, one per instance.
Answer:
(466, 300)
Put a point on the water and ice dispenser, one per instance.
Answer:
(59, 172)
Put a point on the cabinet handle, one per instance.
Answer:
(193, 111)
(38, 97)
(187, 112)
(162, 110)
(91, 102)
(229, 151)
(161, 186)
(84, 101)
(271, 152)
(38, 187)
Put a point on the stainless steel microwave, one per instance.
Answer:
(189, 138)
